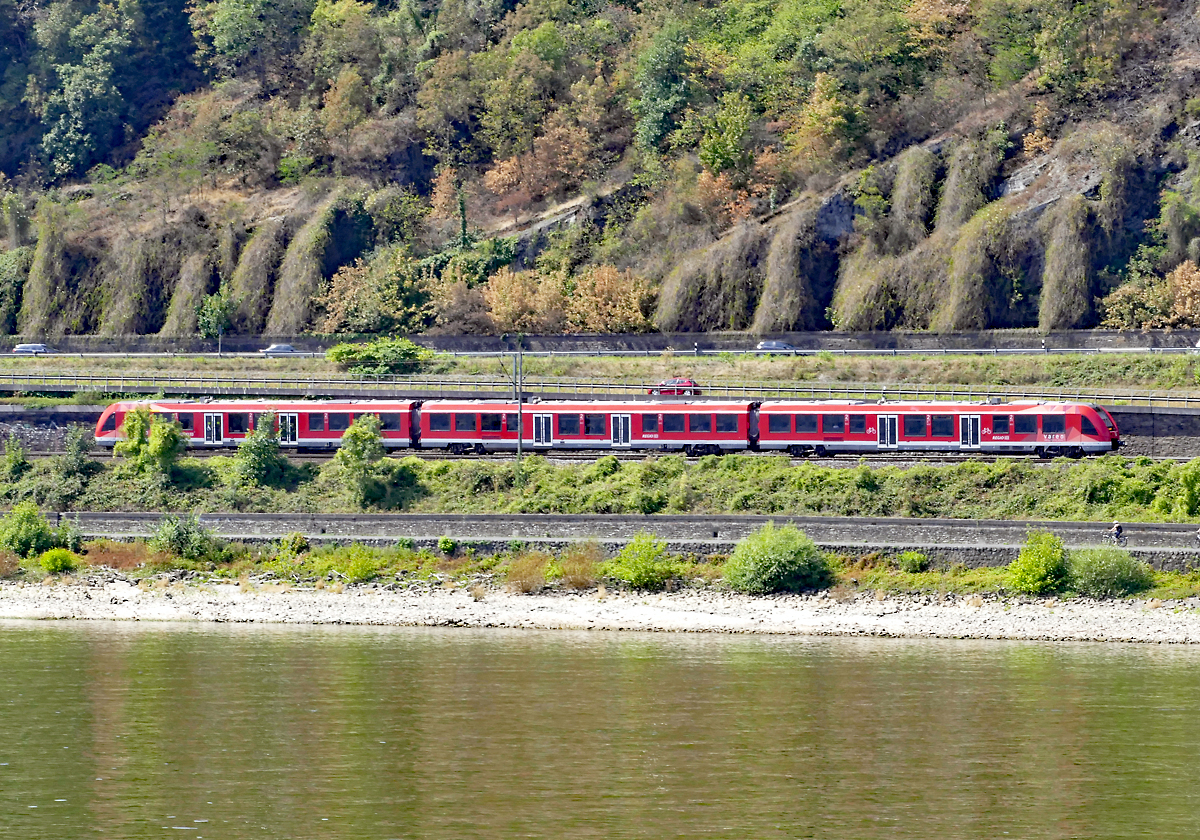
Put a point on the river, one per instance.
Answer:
(220, 731)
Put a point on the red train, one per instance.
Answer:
(691, 426)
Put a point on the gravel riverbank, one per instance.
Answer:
(693, 611)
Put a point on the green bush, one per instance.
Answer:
(777, 560)
(446, 545)
(25, 532)
(1041, 566)
(183, 537)
(56, 561)
(912, 562)
(1108, 572)
(379, 357)
(259, 459)
(643, 563)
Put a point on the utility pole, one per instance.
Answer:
(519, 395)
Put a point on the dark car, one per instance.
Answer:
(772, 346)
(279, 350)
(32, 349)
(675, 388)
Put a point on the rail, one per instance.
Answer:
(384, 387)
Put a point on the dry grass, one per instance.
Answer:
(975, 265)
(10, 564)
(527, 572)
(47, 274)
(121, 556)
(1066, 300)
(195, 277)
(253, 281)
(580, 565)
(718, 287)
(797, 265)
(912, 199)
(973, 166)
(300, 275)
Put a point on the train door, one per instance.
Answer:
(214, 428)
(289, 429)
(887, 430)
(969, 431)
(543, 429)
(620, 429)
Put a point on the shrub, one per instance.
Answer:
(356, 563)
(912, 562)
(259, 459)
(1108, 572)
(10, 564)
(579, 565)
(1041, 566)
(527, 572)
(777, 560)
(16, 463)
(183, 537)
(447, 545)
(379, 357)
(643, 563)
(55, 561)
(294, 544)
(25, 532)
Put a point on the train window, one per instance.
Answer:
(185, 421)
(649, 423)
(672, 422)
(806, 423)
(858, 424)
(943, 425)
(464, 422)
(1054, 425)
(595, 424)
(700, 423)
(568, 424)
(390, 422)
(779, 424)
(316, 422)
(1025, 424)
(339, 422)
(914, 425)
(727, 423)
(1087, 426)
(489, 422)
(439, 422)
(999, 424)
(110, 423)
(833, 424)
(238, 423)
(510, 421)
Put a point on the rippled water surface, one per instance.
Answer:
(150, 731)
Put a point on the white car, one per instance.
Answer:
(31, 349)
(279, 350)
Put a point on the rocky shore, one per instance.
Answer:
(691, 611)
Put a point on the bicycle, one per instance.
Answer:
(1118, 539)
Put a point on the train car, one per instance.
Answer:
(697, 428)
(1040, 428)
(302, 424)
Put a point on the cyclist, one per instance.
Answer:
(1115, 531)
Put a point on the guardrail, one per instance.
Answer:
(493, 387)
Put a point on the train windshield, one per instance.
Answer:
(1105, 416)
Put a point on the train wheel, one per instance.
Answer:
(480, 449)
(821, 452)
(796, 451)
(1075, 452)
(1039, 452)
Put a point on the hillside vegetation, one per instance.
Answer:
(343, 166)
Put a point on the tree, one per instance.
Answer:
(360, 451)
(259, 459)
(214, 315)
(151, 444)
(662, 79)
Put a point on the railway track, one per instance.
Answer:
(589, 456)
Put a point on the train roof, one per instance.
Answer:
(930, 406)
(638, 406)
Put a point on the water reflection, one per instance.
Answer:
(134, 731)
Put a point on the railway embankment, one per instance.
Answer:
(946, 542)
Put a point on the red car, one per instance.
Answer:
(675, 388)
